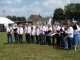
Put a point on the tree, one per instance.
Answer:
(72, 10)
(9, 17)
(59, 14)
(69, 10)
(23, 18)
(14, 18)
(19, 18)
(77, 11)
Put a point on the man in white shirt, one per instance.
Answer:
(9, 33)
(20, 33)
(27, 33)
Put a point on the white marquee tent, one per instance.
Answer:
(5, 21)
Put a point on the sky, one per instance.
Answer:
(28, 7)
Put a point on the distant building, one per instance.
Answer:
(36, 19)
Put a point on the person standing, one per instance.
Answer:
(32, 34)
(15, 32)
(27, 33)
(65, 34)
(20, 33)
(76, 38)
(56, 29)
(37, 34)
(48, 34)
(70, 36)
(42, 33)
(61, 35)
(9, 34)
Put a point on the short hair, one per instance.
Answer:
(9, 24)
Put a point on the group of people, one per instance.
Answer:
(68, 37)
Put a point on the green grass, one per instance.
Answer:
(34, 51)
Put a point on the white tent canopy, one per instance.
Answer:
(5, 21)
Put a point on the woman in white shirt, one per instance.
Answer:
(70, 36)
(20, 33)
(37, 34)
(32, 34)
(76, 38)
(48, 34)
(9, 33)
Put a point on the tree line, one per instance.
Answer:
(15, 18)
(70, 11)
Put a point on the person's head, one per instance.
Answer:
(26, 24)
(69, 24)
(20, 25)
(15, 25)
(9, 24)
(74, 22)
(36, 27)
(55, 23)
(42, 24)
(61, 25)
(49, 25)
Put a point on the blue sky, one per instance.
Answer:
(28, 7)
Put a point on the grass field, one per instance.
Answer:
(34, 51)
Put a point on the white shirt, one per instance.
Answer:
(20, 30)
(37, 32)
(47, 29)
(15, 27)
(42, 29)
(9, 29)
(70, 32)
(32, 32)
(28, 28)
(77, 30)
(55, 27)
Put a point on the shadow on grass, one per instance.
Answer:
(15, 43)
(57, 47)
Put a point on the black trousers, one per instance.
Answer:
(16, 37)
(20, 38)
(32, 39)
(28, 38)
(48, 40)
(37, 39)
(58, 39)
(56, 36)
(53, 39)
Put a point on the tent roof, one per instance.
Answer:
(4, 20)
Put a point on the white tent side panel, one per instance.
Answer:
(5, 21)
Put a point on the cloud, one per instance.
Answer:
(11, 1)
(46, 8)
(55, 3)
(22, 11)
